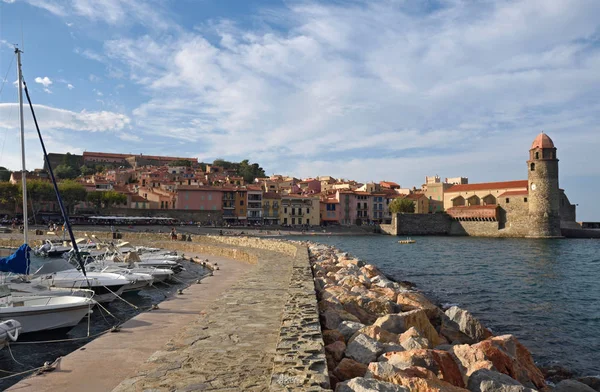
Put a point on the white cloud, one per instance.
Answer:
(93, 78)
(60, 119)
(394, 90)
(128, 137)
(45, 81)
(150, 13)
(70, 86)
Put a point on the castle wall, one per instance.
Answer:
(423, 224)
(476, 229)
(514, 216)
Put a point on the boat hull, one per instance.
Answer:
(44, 318)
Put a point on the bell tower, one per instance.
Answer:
(544, 195)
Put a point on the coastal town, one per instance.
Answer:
(184, 189)
(115, 188)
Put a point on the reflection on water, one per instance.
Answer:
(546, 292)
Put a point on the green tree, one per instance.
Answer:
(9, 194)
(224, 164)
(71, 193)
(112, 197)
(38, 191)
(402, 204)
(86, 171)
(65, 172)
(95, 198)
(4, 174)
(181, 162)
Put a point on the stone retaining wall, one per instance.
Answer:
(300, 363)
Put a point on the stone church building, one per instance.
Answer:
(535, 207)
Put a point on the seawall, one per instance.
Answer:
(444, 224)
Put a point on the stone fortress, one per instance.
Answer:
(532, 208)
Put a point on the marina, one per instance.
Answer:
(32, 350)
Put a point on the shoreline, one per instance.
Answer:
(450, 325)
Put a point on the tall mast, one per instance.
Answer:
(23, 171)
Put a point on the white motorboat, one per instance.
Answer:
(40, 312)
(24, 288)
(43, 313)
(9, 331)
(52, 248)
(157, 274)
(60, 273)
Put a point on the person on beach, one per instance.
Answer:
(173, 235)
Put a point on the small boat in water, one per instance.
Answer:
(42, 313)
(52, 248)
(408, 240)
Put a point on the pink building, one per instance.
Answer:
(204, 198)
(330, 211)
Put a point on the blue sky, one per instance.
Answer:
(370, 90)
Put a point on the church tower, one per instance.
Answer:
(544, 196)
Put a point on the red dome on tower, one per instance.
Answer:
(542, 141)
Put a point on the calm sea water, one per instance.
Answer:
(545, 292)
(31, 356)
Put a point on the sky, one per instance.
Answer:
(369, 90)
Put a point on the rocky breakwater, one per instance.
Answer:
(381, 335)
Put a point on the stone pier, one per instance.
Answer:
(253, 326)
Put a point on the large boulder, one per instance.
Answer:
(363, 349)
(330, 319)
(468, 324)
(336, 350)
(400, 322)
(349, 328)
(485, 380)
(504, 354)
(332, 335)
(380, 306)
(379, 334)
(416, 379)
(591, 381)
(572, 386)
(355, 308)
(382, 281)
(440, 363)
(412, 300)
(360, 384)
(451, 331)
(411, 339)
(349, 368)
(383, 292)
(370, 271)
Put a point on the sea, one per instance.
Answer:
(545, 292)
(33, 350)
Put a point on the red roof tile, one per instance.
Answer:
(542, 141)
(488, 185)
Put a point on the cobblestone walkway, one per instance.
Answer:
(232, 345)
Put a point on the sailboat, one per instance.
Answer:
(35, 312)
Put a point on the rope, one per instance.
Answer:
(45, 367)
(6, 76)
(12, 356)
(117, 295)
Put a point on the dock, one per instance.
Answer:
(252, 326)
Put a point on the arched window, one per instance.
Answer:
(537, 155)
(532, 166)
